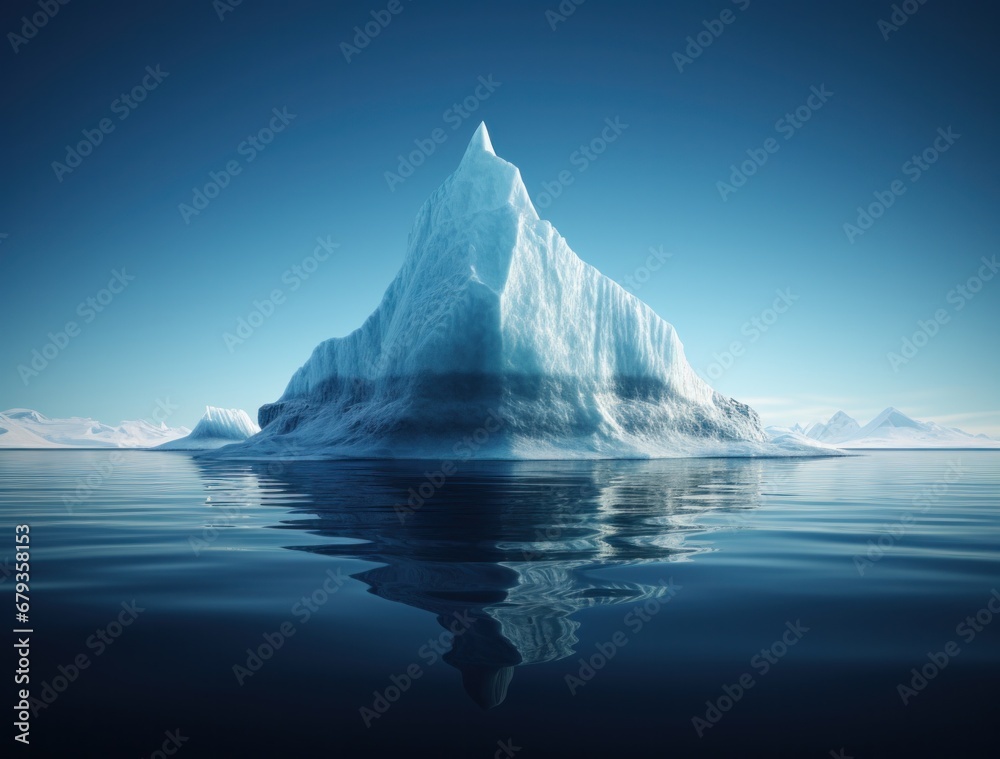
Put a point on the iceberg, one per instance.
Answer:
(218, 427)
(496, 341)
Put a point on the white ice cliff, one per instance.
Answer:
(496, 341)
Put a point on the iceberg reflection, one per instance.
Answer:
(514, 548)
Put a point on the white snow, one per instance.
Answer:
(14, 434)
(26, 428)
(218, 427)
(496, 341)
(792, 437)
(894, 429)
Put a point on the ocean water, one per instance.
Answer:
(833, 607)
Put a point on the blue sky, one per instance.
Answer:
(827, 107)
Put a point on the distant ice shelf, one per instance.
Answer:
(26, 428)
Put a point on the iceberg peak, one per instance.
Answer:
(480, 142)
(483, 182)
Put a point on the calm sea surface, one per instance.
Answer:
(671, 608)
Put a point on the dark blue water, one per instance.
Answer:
(686, 608)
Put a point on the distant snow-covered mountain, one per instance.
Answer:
(893, 429)
(218, 427)
(16, 435)
(26, 428)
(840, 427)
